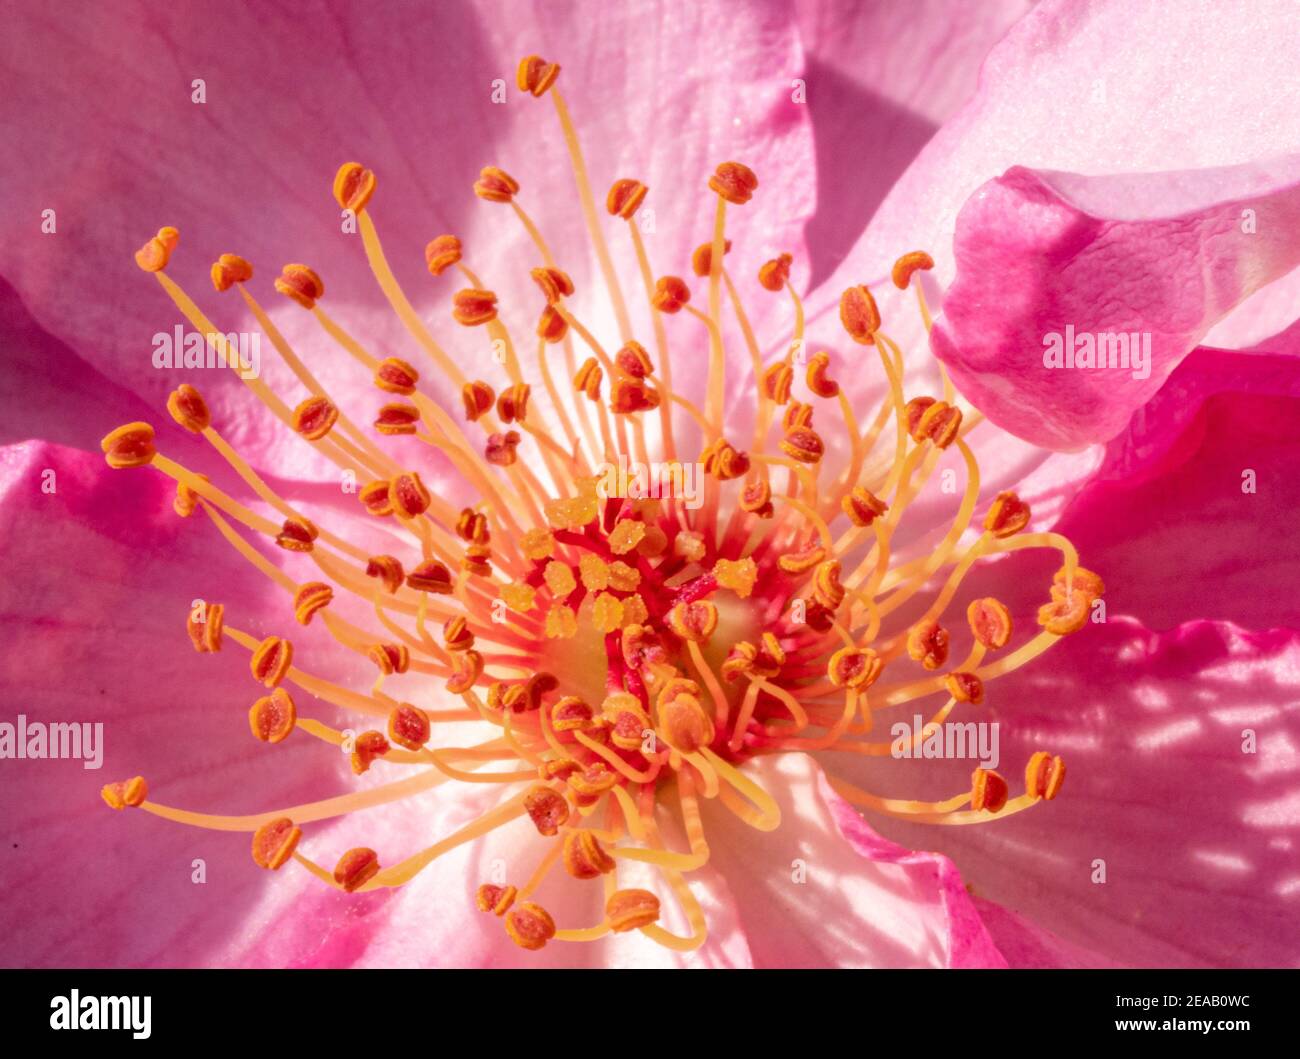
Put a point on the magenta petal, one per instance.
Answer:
(1196, 835)
(1047, 262)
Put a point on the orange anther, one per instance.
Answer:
(777, 382)
(798, 416)
(477, 397)
(591, 782)
(694, 621)
(472, 307)
(547, 808)
(442, 252)
(905, 266)
(315, 417)
(397, 418)
(854, 667)
(633, 360)
(408, 726)
(570, 714)
(154, 255)
(310, 598)
(734, 182)
(274, 843)
(495, 899)
(512, 405)
(188, 408)
(588, 378)
(1066, 613)
(472, 526)
(430, 576)
(356, 868)
(396, 376)
(859, 315)
(671, 293)
(495, 185)
(799, 562)
(205, 633)
(702, 257)
(990, 622)
(631, 909)
(629, 730)
(297, 535)
(723, 461)
(477, 560)
(1007, 516)
(129, 446)
(536, 75)
(1084, 581)
(500, 448)
(125, 793)
(1044, 775)
(625, 197)
(927, 643)
(301, 284)
(273, 717)
(988, 790)
(271, 660)
(186, 499)
(862, 506)
(756, 498)
(408, 495)
(368, 746)
(390, 658)
(529, 926)
(818, 381)
(387, 570)
(826, 587)
(803, 445)
(684, 724)
(466, 668)
(641, 647)
(585, 857)
(353, 186)
(775, 274)
(552, 326)
(374, 497)
(457, 634)
(632, 395)
(740, 661)
(934, 420)
(230, 269)
(965, 687)
(553, 283)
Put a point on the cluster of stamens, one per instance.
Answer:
(617, 649)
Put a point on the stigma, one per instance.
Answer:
(622, 653)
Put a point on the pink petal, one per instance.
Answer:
(1198, 839)
(863, 901)
(1157, 257)
(1093, 88)
(884, 75)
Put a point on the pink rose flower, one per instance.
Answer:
(1096, 174)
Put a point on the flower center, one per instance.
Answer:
(628, 632)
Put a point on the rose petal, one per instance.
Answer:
(1156, 259)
